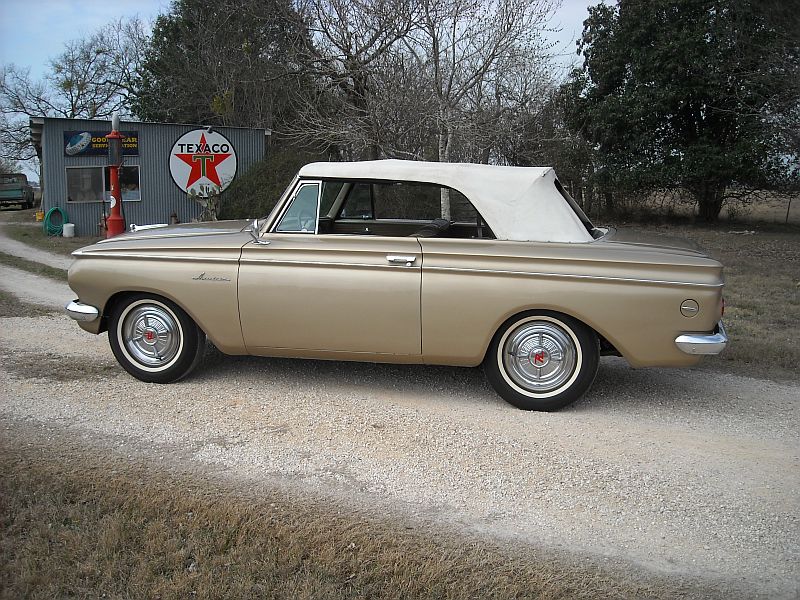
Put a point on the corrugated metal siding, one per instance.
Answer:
(160, 196)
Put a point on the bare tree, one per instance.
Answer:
(91, 79)
(463, 45)
(515, 90)
(351, 54)
(8, 166)
(393, 75)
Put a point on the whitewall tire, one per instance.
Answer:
(542, 360)
(154, 339)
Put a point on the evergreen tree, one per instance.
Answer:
(220, 62)
(696, 94)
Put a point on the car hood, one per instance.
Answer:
(183, 230)
(214, 234)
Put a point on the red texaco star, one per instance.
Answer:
(204, 163)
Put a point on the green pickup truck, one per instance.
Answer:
(14, 189)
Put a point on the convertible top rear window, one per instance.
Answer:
(587, 223)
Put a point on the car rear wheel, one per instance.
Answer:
(542, 360)
(154, 339)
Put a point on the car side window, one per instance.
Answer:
(358, 204)
(399, 209)
(419, 201)
(412, 201)
(301, 216)
(330, 191)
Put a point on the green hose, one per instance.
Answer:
(51, 229)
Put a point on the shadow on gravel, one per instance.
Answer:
(698, 392)
(445, 383)
(618, 387)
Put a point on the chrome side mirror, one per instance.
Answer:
(254, 234)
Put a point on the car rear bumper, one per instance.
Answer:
(81, 312)
(703, 343)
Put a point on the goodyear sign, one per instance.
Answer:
(93, 143)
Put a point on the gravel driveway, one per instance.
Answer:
(686, 472)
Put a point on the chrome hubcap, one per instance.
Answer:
(151, 335)
(539, 356)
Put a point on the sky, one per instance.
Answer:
(34, 31)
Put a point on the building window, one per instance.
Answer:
(93, 184)
(128, 183)
(85, 184)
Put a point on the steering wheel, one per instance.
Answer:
(307, 220)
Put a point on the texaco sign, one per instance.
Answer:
(202, 161)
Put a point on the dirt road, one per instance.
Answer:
(35, 289)
(15, 248)
(685, 472)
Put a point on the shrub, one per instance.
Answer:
(254, 193)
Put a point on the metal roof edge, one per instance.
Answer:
(41, 120)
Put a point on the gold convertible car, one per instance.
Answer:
(406, 262)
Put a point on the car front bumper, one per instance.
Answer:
(703, 343)
(81, 312)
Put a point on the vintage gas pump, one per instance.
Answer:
(115, 223)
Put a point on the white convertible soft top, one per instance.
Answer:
(518, 203)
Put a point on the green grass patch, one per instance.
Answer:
(32, 267)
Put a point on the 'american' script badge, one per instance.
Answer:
(204, 277)
(202, 161)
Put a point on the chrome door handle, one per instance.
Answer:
(406, 260)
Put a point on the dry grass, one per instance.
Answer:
(759, 207)
(762, 293)
(52, 367)
(34, 236)
(21, 225)
(11, 306)
(775, 208)
(32, 267)
(78, 522)
(14, 215)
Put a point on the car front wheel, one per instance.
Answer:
(542, 360)
(154, 339)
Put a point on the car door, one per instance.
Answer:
(337, 296)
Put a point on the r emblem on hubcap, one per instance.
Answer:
(151, 334)
(539, 357)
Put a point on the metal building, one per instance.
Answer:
(164, 163)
